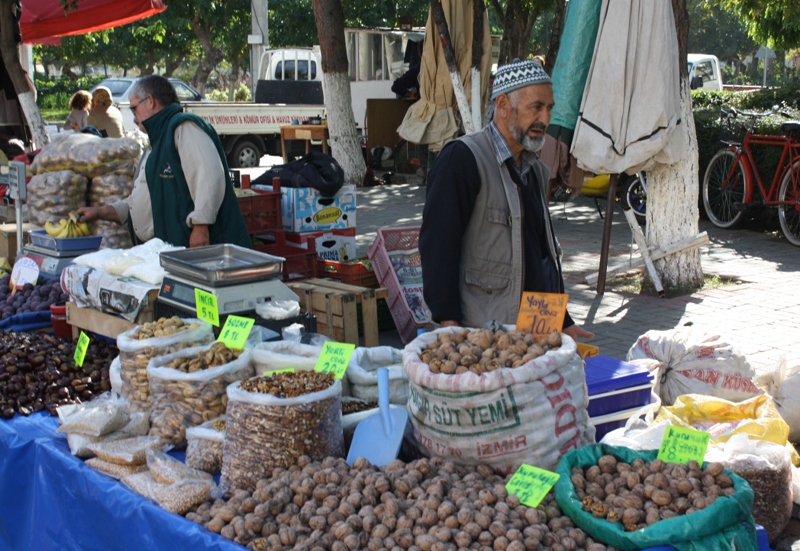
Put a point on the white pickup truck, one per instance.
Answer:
(704, 72)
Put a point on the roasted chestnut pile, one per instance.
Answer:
(38, 372)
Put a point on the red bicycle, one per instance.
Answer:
(729, 185)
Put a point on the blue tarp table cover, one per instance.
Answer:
(51, 500)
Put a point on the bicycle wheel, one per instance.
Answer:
(789, 215)
(723, 185)
(635, 196)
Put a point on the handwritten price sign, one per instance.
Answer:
(681, 445)
(542, 313)
(530, 484)
(235, 332)
(206, 305)
(80, 349)
(334, 358)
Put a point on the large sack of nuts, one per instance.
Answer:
(491, 412)
(88, 155)
(362, 373)
(53, 195)
(645, 514)
(145, 342)
(106, 190)
(286, 354)
(786, 399)
(688, 361)
(204, 445)
(271, 421)
(189, 387)
(767, 467)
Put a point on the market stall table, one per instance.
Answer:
(52, 500)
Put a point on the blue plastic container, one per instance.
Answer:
(41, 239)
(616, 386)
(761, 539)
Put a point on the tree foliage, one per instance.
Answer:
(774, 23)
(714, 30)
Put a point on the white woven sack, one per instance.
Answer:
(690, 361)
(362, 372)
(530, 414)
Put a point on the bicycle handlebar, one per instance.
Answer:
(733, 112)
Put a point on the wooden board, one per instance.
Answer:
(107, 325)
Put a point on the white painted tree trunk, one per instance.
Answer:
(463, 103)
(345, 146)
(475, 99)
(672, 206)
(35, 122)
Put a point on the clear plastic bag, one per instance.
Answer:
(135, 354)
(263, 432)
(79, 443)
(271, 356)
(168, 470)
(115, 470)
(176, 498)
(204, 445)
(278, 309)
(52, 196)
(89, 155)
(103, 415)
(128, 451)
(182, 400)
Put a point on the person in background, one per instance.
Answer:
(539, 59)
(486, 233)
(103, 115)
(182, 190)
(79, 104)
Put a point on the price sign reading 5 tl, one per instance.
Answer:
(206, 306)
(334, 358)
(542, 313)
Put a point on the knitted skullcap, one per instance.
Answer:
(102, 96)
(518, 74)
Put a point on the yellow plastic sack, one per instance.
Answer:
(757, 417)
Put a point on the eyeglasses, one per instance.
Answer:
(133, 107)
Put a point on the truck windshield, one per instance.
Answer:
(286, 70)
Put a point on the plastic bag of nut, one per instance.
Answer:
(168, 470)
(181, 399)
(138, 425)
(140, 344)
(286, 354)
(204, 445)
(767, 467)
(273, 420)
(176, 498)
(101, 416)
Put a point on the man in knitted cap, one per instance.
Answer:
(486, 233)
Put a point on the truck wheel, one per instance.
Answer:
(245, 154)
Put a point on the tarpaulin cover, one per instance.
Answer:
(26, 321)
(43, 19)
(726, 524)
(51, 500)
(581, 21)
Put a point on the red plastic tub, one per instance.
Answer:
(58, 317)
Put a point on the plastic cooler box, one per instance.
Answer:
(616, 386)
(395, 239)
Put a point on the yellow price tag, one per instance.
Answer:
(206, 305)
(681, 445)
(271, 373)
(334, 358)
(81, 348)
(542, 313)
(530, 484)
(235, 331)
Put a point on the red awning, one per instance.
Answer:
(43, 19)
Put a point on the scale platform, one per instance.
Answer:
(52, 262)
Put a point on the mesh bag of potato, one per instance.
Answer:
(88, 155)
(650, 500)
(53, 195)
(106, 190)
(189, 387)
(497, 397)
(273, 420)
(144, 342)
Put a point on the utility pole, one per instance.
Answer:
(258, 39)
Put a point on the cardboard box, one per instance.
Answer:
(8, 239)
(305, 210)
(335, 245)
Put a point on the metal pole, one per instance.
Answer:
(601, 272)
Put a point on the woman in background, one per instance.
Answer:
(79, 103)
(104, 116)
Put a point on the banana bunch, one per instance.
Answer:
(68, 227)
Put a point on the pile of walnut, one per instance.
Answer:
(640, 494)
(218, 354)
(483, 350)
(425, 505)
(164, 327)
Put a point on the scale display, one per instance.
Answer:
(230, 300)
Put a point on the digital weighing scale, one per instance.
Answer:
(239, 278)
(52, 263)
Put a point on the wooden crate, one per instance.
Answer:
(335, 306)
(108, 325)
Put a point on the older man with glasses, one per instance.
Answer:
(182, 190)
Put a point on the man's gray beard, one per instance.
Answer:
(534, 145)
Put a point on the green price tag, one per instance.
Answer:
(235, 332)
(530, 484)
(206, 305)
(271, 373)
(681, 445)
(334, 358)
(81, 348)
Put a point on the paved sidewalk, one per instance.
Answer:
(760, 314)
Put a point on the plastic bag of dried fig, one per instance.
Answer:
(204, 445)
(271, 421)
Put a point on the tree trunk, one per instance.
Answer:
(8, 44)
(555, 37)
(672, 190)
(171, 65)
(234, 78)
(345, 146)
(212, 54)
